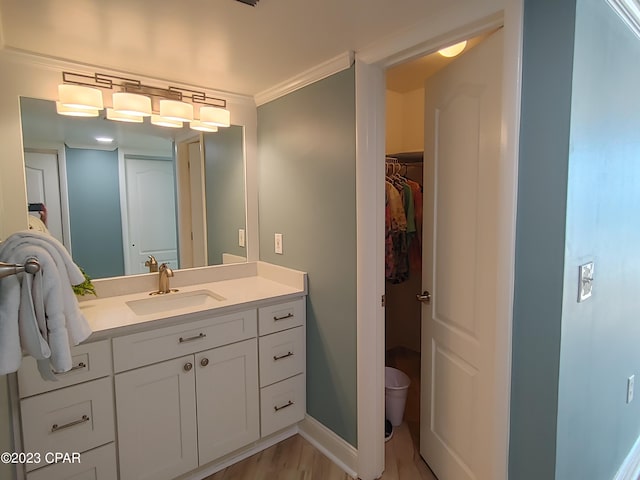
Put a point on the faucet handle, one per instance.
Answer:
(164, 268)
(152, 263)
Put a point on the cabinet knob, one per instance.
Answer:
(204, 362)
(188, 366)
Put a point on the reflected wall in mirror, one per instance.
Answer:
(170, 193)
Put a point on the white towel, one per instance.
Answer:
(47, 318)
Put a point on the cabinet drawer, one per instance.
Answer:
(97, 464)
(282, 316)
(90, 361)
(73, 419)
(282, 355)
(282, 404)
(153, 346)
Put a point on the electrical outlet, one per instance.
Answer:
(630, 382)
(241, 237)
(278, 243)
(585, 281)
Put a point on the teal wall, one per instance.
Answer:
(578, 198)
(540, 243)
(600, 349)
(225, 198)
(94, 211)
(306, 144)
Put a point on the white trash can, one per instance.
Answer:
(396, 386)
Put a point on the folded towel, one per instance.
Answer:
(42, 308)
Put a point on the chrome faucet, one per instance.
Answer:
(164, 273)
(152, 263)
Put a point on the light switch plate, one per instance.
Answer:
(241, 237)
(630, 382)
(585, 281)
(278, 243)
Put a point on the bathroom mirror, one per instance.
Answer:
(117, 192)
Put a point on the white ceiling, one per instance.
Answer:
(219, 44)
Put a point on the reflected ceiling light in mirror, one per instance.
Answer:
(75, 112)
(123, 117)
(104, 139)
(132, 104)
(161, 121)
(453, 50)
(176, 110)
(80, 97)
(202, 127)
(215, 116)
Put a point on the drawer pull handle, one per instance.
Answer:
(288, 404)
(188, 366)
(191, 339)
(56, 428)
(280, 357)
(79, 366)
(288, 315)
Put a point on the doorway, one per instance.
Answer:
(457, 104)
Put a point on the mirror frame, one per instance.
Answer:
(38, 77)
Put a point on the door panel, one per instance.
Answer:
(462, 153)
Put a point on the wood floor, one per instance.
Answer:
(297, 459)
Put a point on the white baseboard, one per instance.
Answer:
(334, 447)
(630, 468)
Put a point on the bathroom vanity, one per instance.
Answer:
(171, 386)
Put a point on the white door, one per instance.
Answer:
(462, 153)
(43, 186)
(156, 415)
(198, 210)
(150, 213)
(228, 418)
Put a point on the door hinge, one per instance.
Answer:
(382, 301)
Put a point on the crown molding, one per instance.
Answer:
(56, 64)
(312, 75)
(629, 11)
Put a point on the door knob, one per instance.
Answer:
(425, 297)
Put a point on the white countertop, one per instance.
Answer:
(111, 315)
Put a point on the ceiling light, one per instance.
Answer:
(215, 116)
(104, 139)
(453, 50)
(175, 110)
(123, 117)
(165, 122)
(75, 112)
(132, 104)
(79, 97)
(202, 127)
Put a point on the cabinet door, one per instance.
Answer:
(156, 411)
(228, 411)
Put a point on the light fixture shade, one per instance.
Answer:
(165, 122)
(79, 97)
(123, 117)
(175, 110)
(453, 50)
(132, 104)
(75, 112)
(215, 116)
(202, 127)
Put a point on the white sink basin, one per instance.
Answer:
(174, 301)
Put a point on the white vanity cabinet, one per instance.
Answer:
(74, 415)
(181, 413)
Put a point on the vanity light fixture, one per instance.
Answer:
(123, 117)
(202, 127)
(453, 50)
(131, 104)
(75, 112)
(215, 116)
(161, 121)
(132, 101)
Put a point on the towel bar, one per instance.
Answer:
(30, 266)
